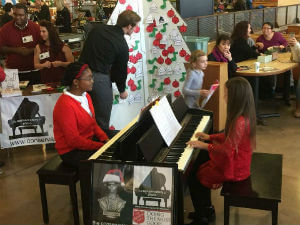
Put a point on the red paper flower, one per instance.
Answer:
(133, 87)
(130, 50)
(162, 46)
(160, 60)
(167, 81)
(158, 36)
(136, 29)
(187, 58)
(154, 23)
(182, 53)
(170, 13)
(130, 82)
(168, 61)
(165, 52)
(177, 94)
(156, 42)
(175, 20)
(182, 28)
(171, 49)
(111, 127)
(175, 84)
(149, 28)
(138, 56)
(129, 7)
(128, 70)
(122, 1)
(133, 59)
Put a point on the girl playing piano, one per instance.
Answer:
(227, 156)
(192, 88)
(76, 132)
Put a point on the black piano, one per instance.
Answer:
(141, 141)
(27, 117)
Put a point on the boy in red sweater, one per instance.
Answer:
(76, 132)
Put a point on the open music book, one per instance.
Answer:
(165, 120)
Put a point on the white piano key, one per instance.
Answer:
(186, 156)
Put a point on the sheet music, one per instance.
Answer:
(212, 90)
(165, 120)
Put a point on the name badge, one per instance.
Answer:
(44, 55)
(27, 39)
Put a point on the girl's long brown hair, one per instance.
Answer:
(240, 102)
(55, 43)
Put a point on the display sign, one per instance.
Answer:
(27, 120)
(133, 194)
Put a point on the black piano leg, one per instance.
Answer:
(42, 128)
(166, 202)
(14, 131)
(138, 200)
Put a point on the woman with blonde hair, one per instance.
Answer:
(63, 18)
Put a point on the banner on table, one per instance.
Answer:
(27, 120)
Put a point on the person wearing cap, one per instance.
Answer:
(18, 39)
(112, 204)
(76, 132)
(106, 53)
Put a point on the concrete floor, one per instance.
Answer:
(20, 197)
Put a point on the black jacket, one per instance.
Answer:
(106, 51)
(241, 51)
(63, 19)
(231, 65)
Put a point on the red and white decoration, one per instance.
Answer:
(157, 56)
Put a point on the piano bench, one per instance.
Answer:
(262, 190)
(55, 172)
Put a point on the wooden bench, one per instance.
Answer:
(55, 172)
(262, 190)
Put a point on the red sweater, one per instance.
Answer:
(230, 158)
(74, 128)
(11, 36)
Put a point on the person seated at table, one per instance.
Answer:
(240, 49)
(192, 88)
(51, 55)
(76, 131)
(270, 38)
(295, 48)
(221, 53)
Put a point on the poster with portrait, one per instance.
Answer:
(128, 193)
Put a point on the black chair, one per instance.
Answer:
(262, 190)
(55, 172)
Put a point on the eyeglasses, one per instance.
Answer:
(267, 28)
(87, 79)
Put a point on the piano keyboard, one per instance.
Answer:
(180, 153)
(186, 156)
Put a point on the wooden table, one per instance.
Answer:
(276, 67)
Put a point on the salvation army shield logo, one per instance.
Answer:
(138, 216)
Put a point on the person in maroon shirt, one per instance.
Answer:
(228, 155)
(270, 38)
(51, 55)
(18, 39)
(76, 131)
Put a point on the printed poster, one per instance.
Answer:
(27, 120)
(132, 194)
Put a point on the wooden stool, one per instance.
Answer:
(262, 190)
(54, 172)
